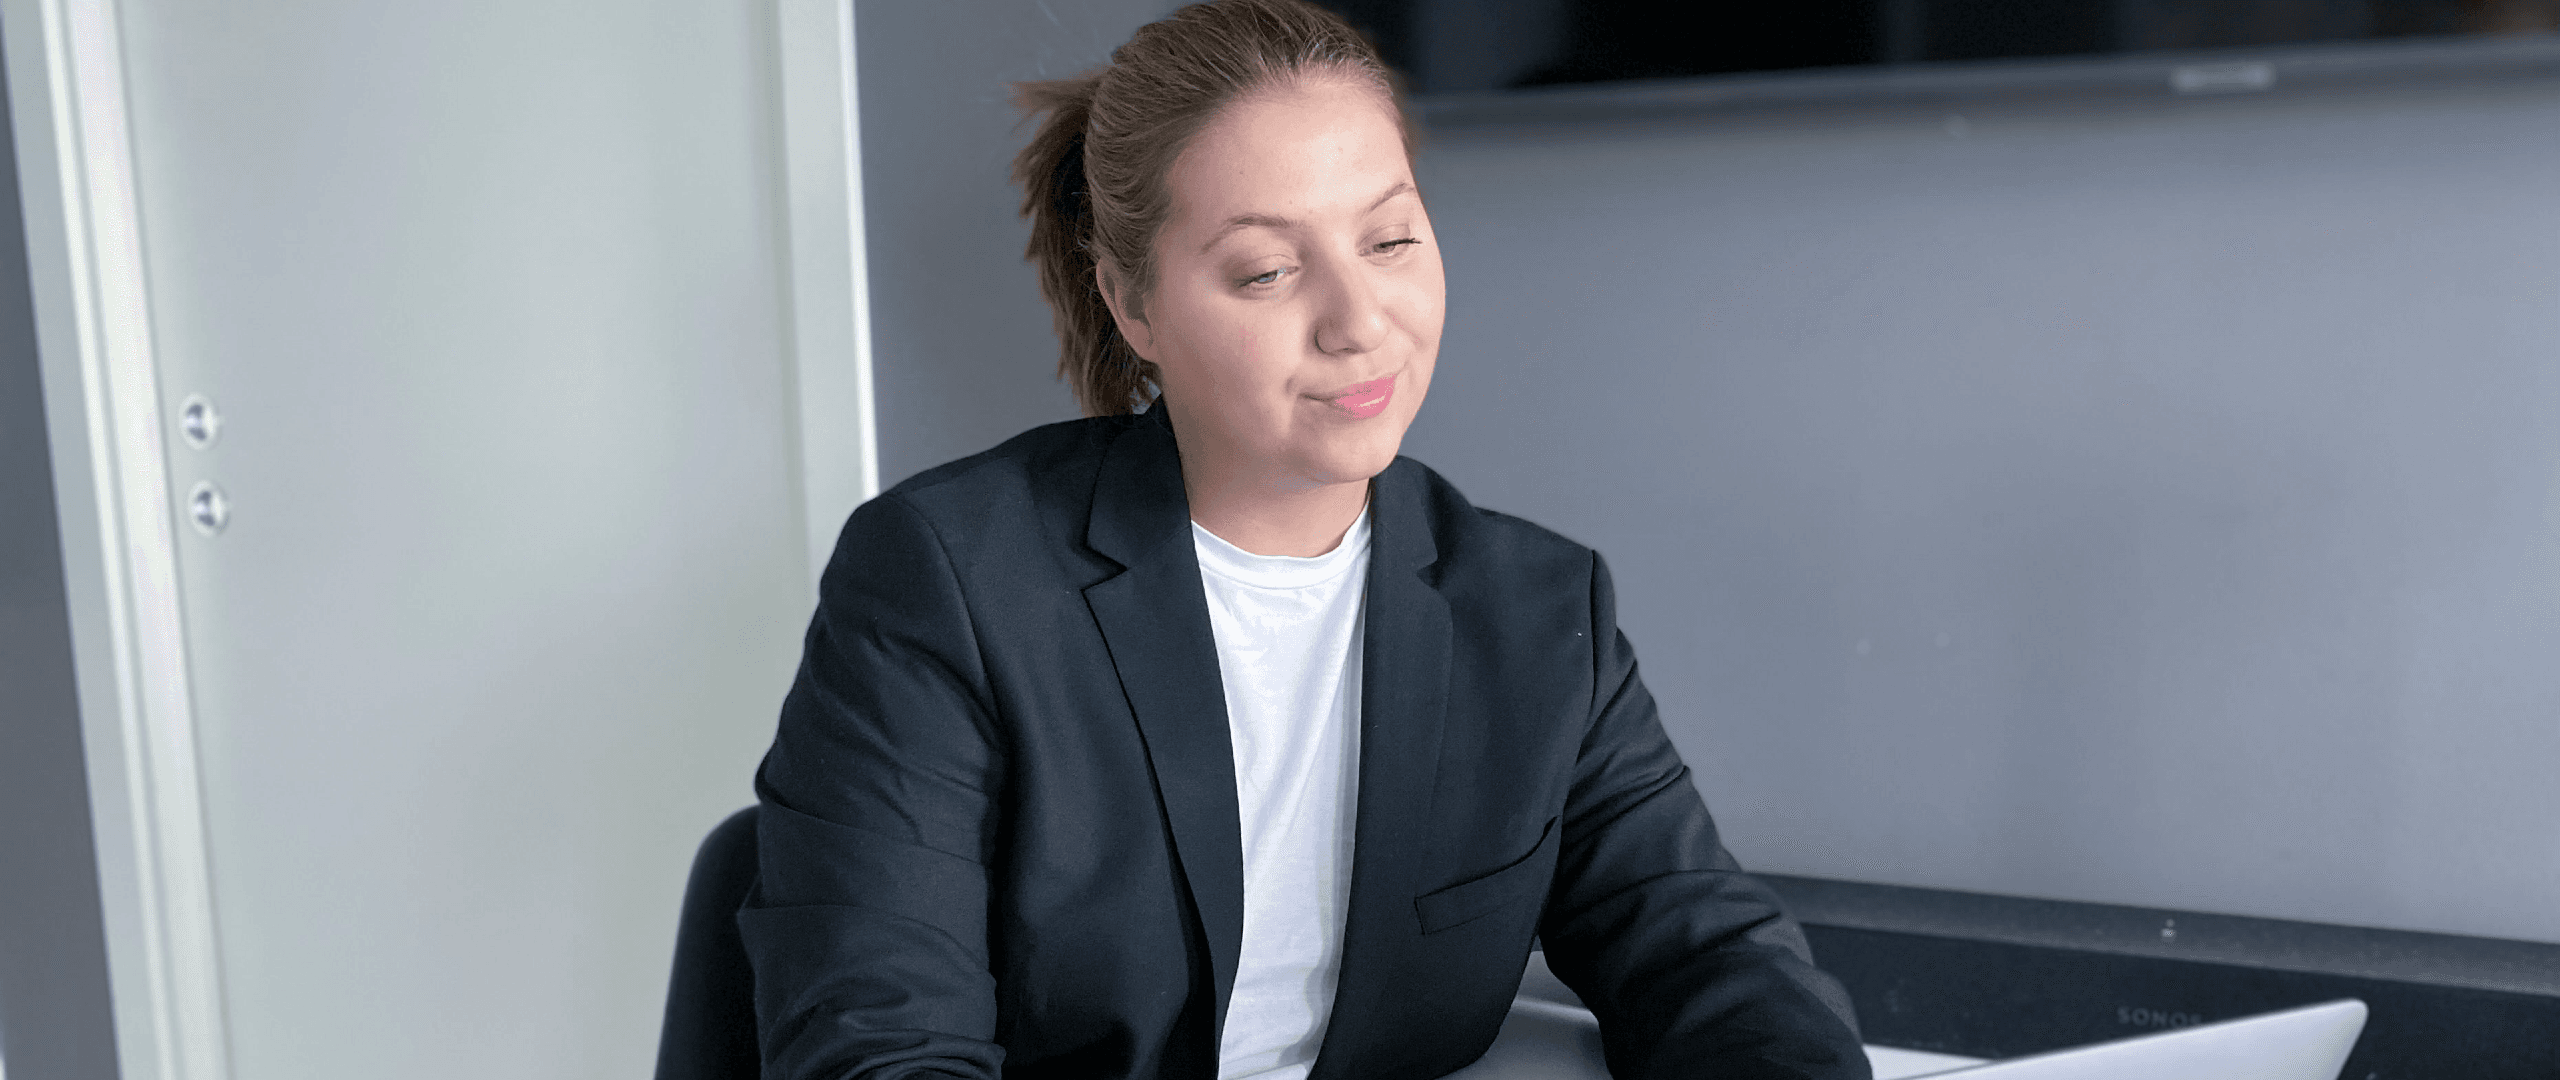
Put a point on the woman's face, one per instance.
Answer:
(1298, 297)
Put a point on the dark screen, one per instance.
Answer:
(1446, 46)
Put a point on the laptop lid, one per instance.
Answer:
(2309, 1043)
(1545, 1040)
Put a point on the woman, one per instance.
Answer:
(1216, 739)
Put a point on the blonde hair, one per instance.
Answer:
(1093, 176)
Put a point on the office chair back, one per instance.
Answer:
(710, 1028)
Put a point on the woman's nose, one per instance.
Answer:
(1353, 318)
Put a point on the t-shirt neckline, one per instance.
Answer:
(1228, 561)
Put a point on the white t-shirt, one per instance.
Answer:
(1288, 633)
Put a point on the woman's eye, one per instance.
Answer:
(1393, 244)
(1265, 278)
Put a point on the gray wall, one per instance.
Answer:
(2151, 502)
(55, 1017)
(962, 352)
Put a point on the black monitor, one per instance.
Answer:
(1479, 46)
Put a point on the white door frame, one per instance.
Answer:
(829, 274)
(119, 518)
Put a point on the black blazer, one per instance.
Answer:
(999, 827)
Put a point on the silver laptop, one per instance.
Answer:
(1545, 1040)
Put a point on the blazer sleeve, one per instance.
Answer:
(867, 928)
(1691, 966)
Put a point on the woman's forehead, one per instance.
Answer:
(1294, 155)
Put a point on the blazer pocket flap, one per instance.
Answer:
(1471, 900)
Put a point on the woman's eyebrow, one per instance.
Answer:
(1247, 221)
(1401, 187)
(1275, 221)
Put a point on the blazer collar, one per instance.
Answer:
(1404, 690)
(1154, 618)
(1138, 506)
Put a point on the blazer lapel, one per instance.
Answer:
(1404, 689)
(1155, 621)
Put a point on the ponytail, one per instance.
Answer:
(1108, 377)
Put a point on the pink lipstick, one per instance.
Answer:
(1364, 400)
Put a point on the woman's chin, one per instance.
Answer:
(1354, 456)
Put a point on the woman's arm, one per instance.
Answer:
(1690, 965)
(868, 925)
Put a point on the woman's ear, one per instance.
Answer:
(1135, 331)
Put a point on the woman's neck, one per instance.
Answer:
(1268, 520)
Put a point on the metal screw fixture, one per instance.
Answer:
(198, 422)
(209, 508)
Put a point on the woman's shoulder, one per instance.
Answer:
(1035, 455)
(1033, 488)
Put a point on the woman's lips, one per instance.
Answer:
(1364, 400)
